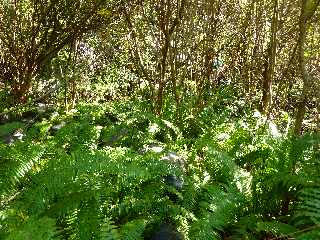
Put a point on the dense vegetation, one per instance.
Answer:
(159, 119)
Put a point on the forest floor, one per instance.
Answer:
(118, 171)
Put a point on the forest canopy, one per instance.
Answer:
(160, 119)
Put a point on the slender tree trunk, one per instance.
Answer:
(162, 80)
(167, 30)
(73, 82)
(266, 100)
(66, 86)
(137, 56)
(20, 91)
(173, 79)
(306, 14)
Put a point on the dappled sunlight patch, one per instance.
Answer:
(243, 181)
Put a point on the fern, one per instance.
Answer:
(82, 187)
(29, 228)
(217, 210)
(18, 162)
(9, 128)
(308, 210)
(133, 230)
(84, 184)
(108, 230)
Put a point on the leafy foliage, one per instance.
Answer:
(137, 119)
(102, 172)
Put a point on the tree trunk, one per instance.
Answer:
(306, 13)
(20, 92)
(162, 80)
(167, 28)
(266, 100)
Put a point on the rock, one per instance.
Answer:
(42, 107)
(223, 137)
(167, 232)
(117, 137)
(29, 114)
(174, 181)
(171, 156)
(4, 118)
(112, 117)
(153, 147)
(10, 138)
(18, 134)
(174, 158)
(57, 127)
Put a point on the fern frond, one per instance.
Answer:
(18, 162)
(308, 211)
(35, 228)
(217, 210)
(133, 230)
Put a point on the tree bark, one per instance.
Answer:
(306, 13)
(167, 32)
(266, 100)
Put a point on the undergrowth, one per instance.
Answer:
(101, 172)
